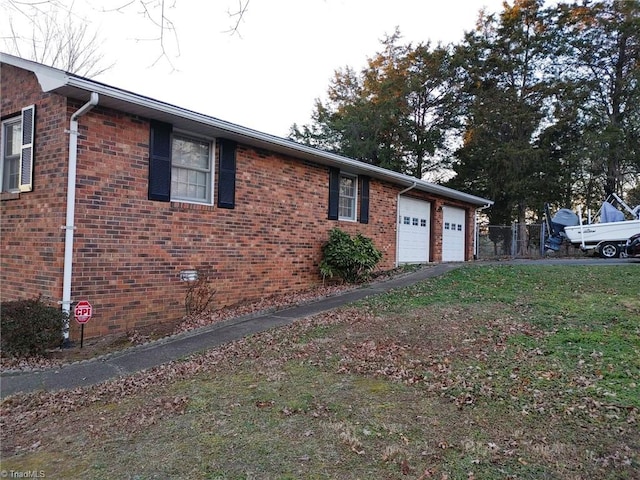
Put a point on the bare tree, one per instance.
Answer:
(71, 45)
(237, 15)
(58, 38)
(158, 13)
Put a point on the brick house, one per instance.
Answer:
(110, 196)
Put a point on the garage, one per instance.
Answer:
(413, 230)
(453, 234)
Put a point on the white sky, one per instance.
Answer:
(268, 76)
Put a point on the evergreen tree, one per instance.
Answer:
(546, 102)
(599, 47)
(394, 114)
(507, 90)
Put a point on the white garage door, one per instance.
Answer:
(453, 234)
(413, 230)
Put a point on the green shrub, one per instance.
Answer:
(30, 327)
(350, 258)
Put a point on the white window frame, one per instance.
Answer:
(353, 200)
(210, 172)
(3, 136)
(25, 163)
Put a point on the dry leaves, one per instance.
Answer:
(448, 357)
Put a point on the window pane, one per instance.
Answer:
(346, 207)
(201, 179)
(191, 169)
(190, 153)
(347, 187)
(12, 135)
(11, 173)
(347, 202)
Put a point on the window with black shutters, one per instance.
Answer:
(181, 167)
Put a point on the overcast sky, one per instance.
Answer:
(266, 76)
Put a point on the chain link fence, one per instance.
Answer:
(516, 241)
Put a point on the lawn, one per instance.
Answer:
(527, 372)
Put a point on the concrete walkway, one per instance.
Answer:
(90, 372)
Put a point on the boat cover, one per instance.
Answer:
(565, 218)
(609, 213)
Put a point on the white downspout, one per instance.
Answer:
(476, 231)
(398, 219)
(71, 205)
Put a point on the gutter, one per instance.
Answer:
(69, 226)
(160, 110)
(411, 187)
(75, 86)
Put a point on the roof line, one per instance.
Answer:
(52, 79)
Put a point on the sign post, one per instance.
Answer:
(83, 313)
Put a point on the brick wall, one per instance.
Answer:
(32, 241)
(129, 251)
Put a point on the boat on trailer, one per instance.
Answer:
(615, 223)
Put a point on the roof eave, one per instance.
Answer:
(80, 88)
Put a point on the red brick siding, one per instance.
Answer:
(32, 240)
(129, 251)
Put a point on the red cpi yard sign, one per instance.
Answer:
(83, 312)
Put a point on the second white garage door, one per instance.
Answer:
(453, 234)
(413, 230)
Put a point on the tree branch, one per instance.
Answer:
(239, 15)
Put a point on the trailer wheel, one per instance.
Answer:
(609, 250)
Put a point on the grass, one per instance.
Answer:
(527, 372)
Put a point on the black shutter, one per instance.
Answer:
(334, 192)
(160, 162)
(227, 174)
(364, 199)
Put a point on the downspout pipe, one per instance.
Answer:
(411, 187)
(69, 226)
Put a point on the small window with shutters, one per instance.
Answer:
(344, 191)
(17, 151)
